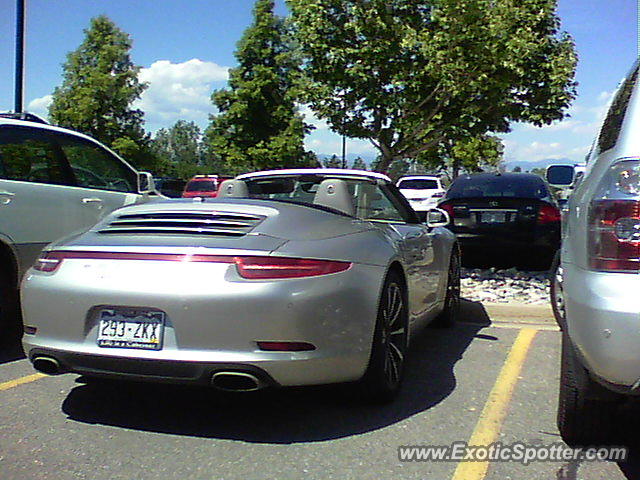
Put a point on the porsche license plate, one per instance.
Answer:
(131, 328)
(493, 217)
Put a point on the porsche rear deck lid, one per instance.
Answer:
(173, 222)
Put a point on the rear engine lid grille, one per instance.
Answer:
(183, 223)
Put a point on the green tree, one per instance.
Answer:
(100, 84)
(471, 154)
(359, 164)
(517, 169)
(332, 162)
(259, 125)
(409, 74)
(181, 148)
(395, 170)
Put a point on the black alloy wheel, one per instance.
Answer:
(383, 377)
(451, 310)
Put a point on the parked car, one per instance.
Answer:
(170, 187)
(290, 277)
(515, 211)
(203, 186)
(595, 283)
(422, 191)
(52, 182)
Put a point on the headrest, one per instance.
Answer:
(335, 194)
(233, 189)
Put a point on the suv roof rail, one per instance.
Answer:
(26, 116)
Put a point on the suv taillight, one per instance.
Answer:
(613, 239)
(614, 235)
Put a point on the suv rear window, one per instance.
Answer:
(615, 116)
(418, 184)
(202, 186)
(520, 186)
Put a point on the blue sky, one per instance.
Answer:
(185, 49)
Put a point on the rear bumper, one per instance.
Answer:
(480, 238)
(212, 318)
(603, 321)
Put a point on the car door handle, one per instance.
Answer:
(5, 197)
(91, 200)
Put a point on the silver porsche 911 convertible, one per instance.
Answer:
(288, 277)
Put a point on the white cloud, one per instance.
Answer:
(40, 106)
(179, 91)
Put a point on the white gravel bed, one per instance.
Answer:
(505, 286)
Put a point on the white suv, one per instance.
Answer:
(53, 182)
(596, 284)
(423, 191)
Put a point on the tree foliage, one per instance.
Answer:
(359, 164)
(471, 154)
(409, 75)
(259, 125)
(182, 151)
(333, 161)
(100, 84)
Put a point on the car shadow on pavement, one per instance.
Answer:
(279, 416)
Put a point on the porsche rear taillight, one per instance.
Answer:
(277, 267)
(613, 239)
(48, 262)
(249, 267)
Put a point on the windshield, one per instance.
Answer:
(520, 186)
(418, 184)
(202, 186)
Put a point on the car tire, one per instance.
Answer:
(556, 291)
(582, 419)
(383, 378)
(447, 318)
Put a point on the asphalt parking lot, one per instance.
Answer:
(492, 378)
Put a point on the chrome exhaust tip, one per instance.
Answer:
(236, 382)
(48, 365)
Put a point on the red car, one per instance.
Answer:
(203, 186)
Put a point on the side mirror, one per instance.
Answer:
(560, 175)
(436, 217)
(146, 184)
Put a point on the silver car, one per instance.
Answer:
(53, 182)
(596, 282)
(291, 277)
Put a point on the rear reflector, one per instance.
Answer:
(253, 267)
(286, 346)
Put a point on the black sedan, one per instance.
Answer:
(504, 212)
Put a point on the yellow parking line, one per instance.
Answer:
(21, 381)
(495, 409)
